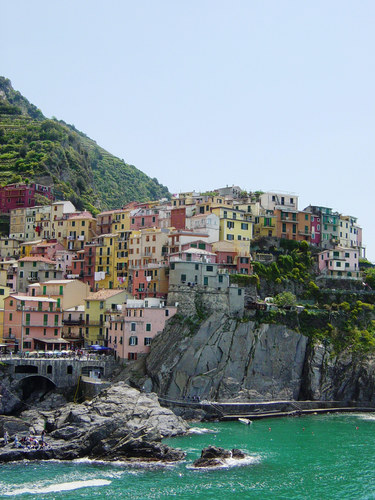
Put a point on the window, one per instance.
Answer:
(133, 340)
(205, 281)
(230, 237)
(27, 331)
(10, 316)
(56, 319)
(148, 340)
(61, 290)
(55, 332)
(220, 278)
(183, 278)
(209, 268)
(148, 327)
(45, 319)
(132, 327)
(244, 226)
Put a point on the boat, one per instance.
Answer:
(245, 421)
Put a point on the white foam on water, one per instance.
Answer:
(55, 488)
(231, 462)
(125, 463)
(365, 416)
(201, 430)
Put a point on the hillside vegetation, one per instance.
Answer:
(34, 148)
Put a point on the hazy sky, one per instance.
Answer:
(267, 94)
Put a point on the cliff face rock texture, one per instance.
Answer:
(227, 359)
(121, 423)
(346, 377)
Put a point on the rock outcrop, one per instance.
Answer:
(121, 423)
(213, 456)
(227, 359)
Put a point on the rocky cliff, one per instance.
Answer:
(229, 359)
(119, 424)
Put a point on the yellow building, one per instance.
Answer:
(80, 228)
(97, 305)
(235, 225)
(106, 261)
(4, 293)
(67, 293)
(27, 246)
(265, 225)
(121, 221)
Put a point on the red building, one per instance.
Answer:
(22, 196)
(178, 218)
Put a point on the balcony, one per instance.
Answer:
(73, 322)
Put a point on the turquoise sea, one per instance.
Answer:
(314, 457)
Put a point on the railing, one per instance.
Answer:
(77, 322)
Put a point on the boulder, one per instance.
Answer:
(119, 424)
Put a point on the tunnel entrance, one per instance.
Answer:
(34, 388)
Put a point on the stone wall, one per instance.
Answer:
(62, 372)
(193, 300)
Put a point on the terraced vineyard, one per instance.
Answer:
(33, 148)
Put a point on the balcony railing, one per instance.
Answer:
(72, 322)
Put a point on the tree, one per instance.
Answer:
(284, 299)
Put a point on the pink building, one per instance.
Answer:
(22, 196)
(142, 218)
(315, 229)
(130, 332)
(33, 323)
(340, 263)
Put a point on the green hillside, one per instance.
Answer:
(33, 148)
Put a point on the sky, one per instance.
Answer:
(268, 95)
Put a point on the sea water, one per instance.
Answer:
(314, 457)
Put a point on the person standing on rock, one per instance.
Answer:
(6, 438)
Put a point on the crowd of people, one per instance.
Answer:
(29, 442)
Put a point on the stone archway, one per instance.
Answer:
(34, 386)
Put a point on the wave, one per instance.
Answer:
(55, 488)
(201, 430)
(365, 416)
(124, 463)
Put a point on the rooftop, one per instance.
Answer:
(104, 294)
(37, 259)
(27, 298)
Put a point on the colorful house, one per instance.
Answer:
(97, 304)
(339, 262)
(32, 323)
(132, 329)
